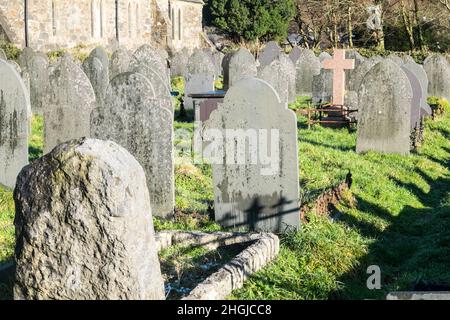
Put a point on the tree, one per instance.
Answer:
(252, 20)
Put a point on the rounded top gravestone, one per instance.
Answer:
(179, 62)
(307, 66)
(120, 62)
(84, 227)
(14, 124)
(384, 119)
(421, 75)
(360, 72)
(98, 75)
(395, 58)
(241, 64)
(150, 57)
(438, 70)
(295, 54)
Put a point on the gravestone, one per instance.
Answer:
(358, 58)
(14, 124)
(408, 59)
(295, 54)
(438, 71)
(384, 120)
(417, 99)
(395, 58)
(102, 56)
(323, 86)
(71, 100)
(241, 64)
(270, 52)
(150, 57)
(25, 77)
(39, 80)
(84, 227)
(24, 58)
(98, 75)
(133, 118)
(252, 191)
(324, 56)
(179, 62)
(199, 77)
(218, 58)
(421, 75)
(162, 91)
(120, 63)
(339, 64)
(360, 72)
(307, 66)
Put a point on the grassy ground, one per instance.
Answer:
(397, 217)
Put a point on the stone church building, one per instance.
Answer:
(53, 24)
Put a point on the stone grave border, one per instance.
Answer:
(263, 248)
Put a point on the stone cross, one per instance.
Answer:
(339, 64)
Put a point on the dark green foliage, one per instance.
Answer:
(251, 20)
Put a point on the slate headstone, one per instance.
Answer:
(150, 57)
(179, 62)
(14, 124)
(84, 227)
(270, 52)
(421, 75)
(133, 118)
(98, 75)
(395, 58)
(120, 63)
(295, 54)
(71, 100)
(417, 98)
(384, 120)
(251, 191)
(199, 77)
(241, 64)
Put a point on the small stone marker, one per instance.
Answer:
(384, 120)
(339, 64)
(251, 190)
(307, 66)
(71, 99)
(120, 63)
(438, 71)
(134, 118)
(84, 227)
(14, 124)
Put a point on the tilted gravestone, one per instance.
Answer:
(438, 71)
(162, 91)
(270, 52)
(134, 118)
(199, 77)
(307, 66)
(14, 124)
(150, 57)
(421, 75)
(71, 100)
(241, 64)
(384, 120)
(120, 62)
(254, 156)
(84, 228)
(98, 75)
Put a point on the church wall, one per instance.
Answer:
(186, 34)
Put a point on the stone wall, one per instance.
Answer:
(54, 24)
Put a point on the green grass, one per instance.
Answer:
(400, 219)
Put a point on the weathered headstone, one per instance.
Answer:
(133, 118)
(417, 98)
(39, 80)
(150, 57)
(179, 62)
(241, 64)
(360, 72)
(162, 91)
(199, 77)
(324, 56)
(438, 71)
(323, 86)
(270, 52)
(71, 100)
(384, 120)
(251, 190)
(358, 58)
(395, 58)
(307, 66)
(408, 59)
(120, 63)
(102, 56)
(98, 75)
(84, 227)
(14, 124)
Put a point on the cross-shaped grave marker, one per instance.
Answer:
(339, 64)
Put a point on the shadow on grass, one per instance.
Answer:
(413, 252)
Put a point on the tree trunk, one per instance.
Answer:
(350, 28)
(408, 26)
(421, 40)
